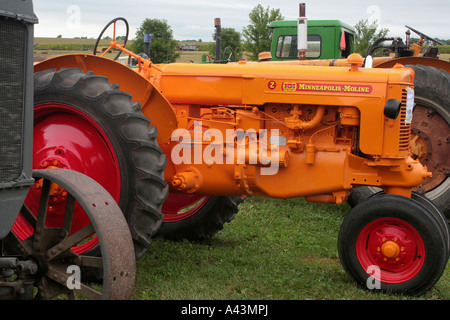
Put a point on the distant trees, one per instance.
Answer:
(257, 35)
(229, 38)
(366, 34)
(415, 40)
(163, 45)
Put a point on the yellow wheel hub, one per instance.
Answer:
(390, 249)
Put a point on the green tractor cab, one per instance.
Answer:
(327, 39)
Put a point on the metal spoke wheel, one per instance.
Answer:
(51, 240)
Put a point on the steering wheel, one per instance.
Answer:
(114, 36)
(424, 36)
(231, 56)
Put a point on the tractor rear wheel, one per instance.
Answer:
(194, 217)
(430, 129)
(83, 123)
(394, 244)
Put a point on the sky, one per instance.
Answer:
(194, 19)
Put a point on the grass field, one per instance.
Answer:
(445, 57)
(272, 250)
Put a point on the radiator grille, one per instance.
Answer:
(405, 129)
(12, 77)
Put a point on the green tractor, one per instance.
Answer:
(327, 39)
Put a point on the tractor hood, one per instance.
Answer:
(260, 83)
(19, 10)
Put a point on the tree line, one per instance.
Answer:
(256, 37)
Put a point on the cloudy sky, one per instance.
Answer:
(194, 19)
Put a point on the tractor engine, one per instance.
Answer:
(314, 132)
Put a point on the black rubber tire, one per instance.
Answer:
(425, 222)
(360, 194)
(431, 85)
(206, 222)
(141, 161)
(427, 203)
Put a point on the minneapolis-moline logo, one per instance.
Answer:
(289, 86)
(329, 88)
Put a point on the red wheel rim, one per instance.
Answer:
(179, 206)
(66, 137)
(427, 125)
(392, 245)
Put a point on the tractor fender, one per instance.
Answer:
(153, 104)
(431, 62)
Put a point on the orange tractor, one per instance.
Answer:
(178, 146)
(430, 127)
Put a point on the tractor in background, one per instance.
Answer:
(45, 251)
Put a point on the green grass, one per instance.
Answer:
(273, 249)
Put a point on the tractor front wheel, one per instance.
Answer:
(394, 244)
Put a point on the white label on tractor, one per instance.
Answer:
(409, 105)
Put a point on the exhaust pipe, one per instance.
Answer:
(302, 33)
(218, 37)
(147, 40)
